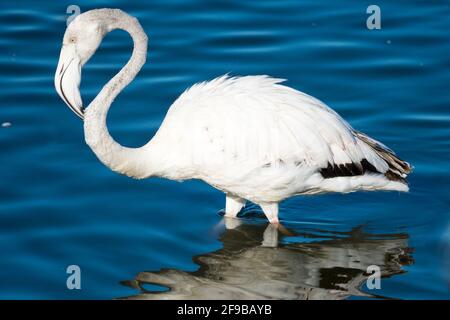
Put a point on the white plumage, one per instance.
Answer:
(251, 137)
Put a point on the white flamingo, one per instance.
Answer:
(250, 137)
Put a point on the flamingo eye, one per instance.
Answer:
(72, 39)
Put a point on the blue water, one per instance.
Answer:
(60, 206)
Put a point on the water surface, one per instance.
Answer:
(162, 239)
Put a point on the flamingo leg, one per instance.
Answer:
(233, 205)
(271, 211)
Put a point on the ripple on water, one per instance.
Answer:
(59, 205)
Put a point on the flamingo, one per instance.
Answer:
(251, 137)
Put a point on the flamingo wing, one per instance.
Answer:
(257, 120)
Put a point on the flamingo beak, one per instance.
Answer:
(67, 79)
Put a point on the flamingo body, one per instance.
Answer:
(254, 138)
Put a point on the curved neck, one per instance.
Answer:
(134, 162)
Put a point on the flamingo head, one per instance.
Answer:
(81, 39)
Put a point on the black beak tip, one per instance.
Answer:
(80, 114)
